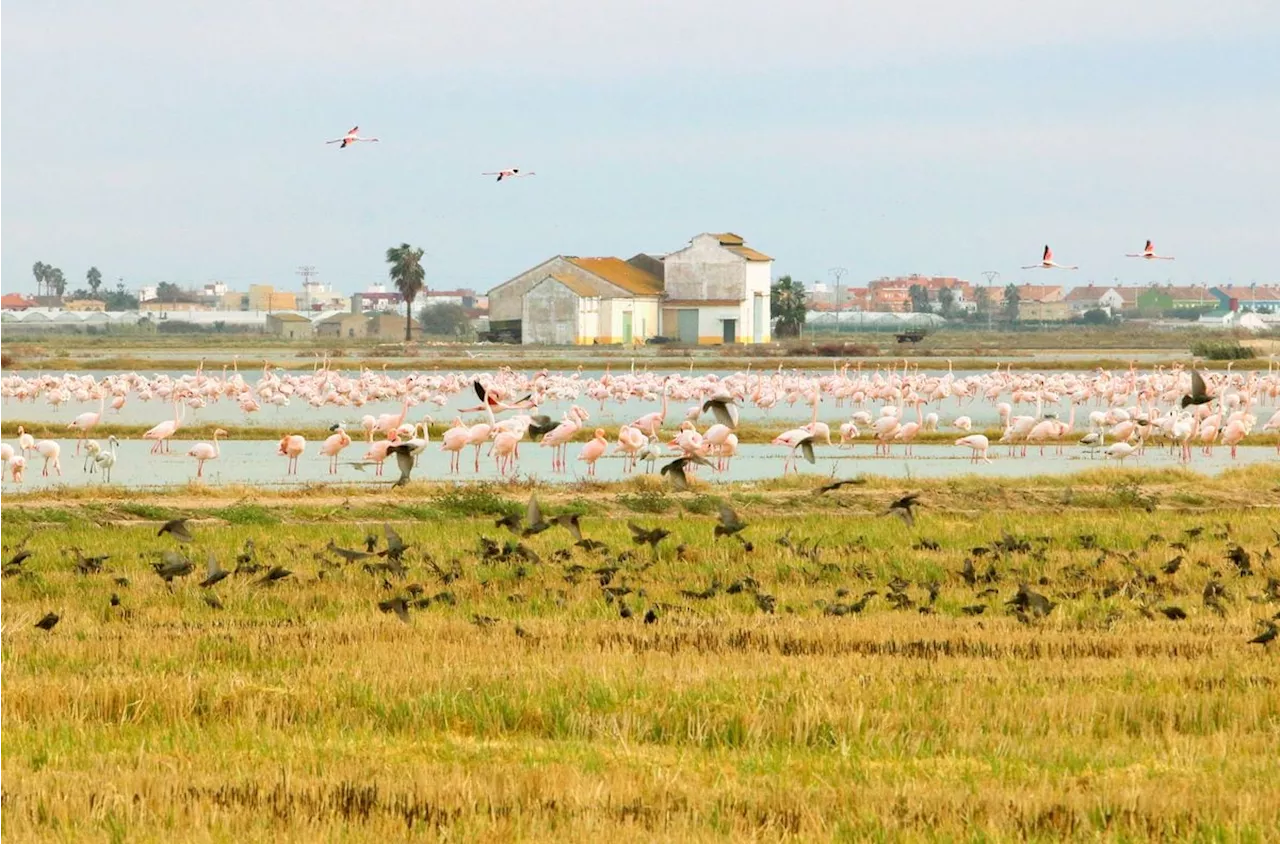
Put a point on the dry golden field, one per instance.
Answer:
(764, 700)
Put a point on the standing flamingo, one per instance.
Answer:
(292, 446)
(26, 442)
(106, 459)
(50, 450)
(86, 422)
(979, 443)
(18, 466)
(166, 429)
(204, 452)
(593, 450)
(333, 446)
(454, 441)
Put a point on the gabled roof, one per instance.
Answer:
(1040, 292)
(748, 253)
(16, 300)
(729, 239)
(1091, 293)
(577, 285)
(340, 317)
(1244, 293)
(620, 274)
(288, 317)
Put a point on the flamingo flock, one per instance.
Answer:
(1120, 413)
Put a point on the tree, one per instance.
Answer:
(121, 299)
(55, 282)
(919, 299)
(1011, 299)
(947, 302)
(94, 277)
(409, 278)
(40, 270)
(447, 320)
(982, 301)
(786, 302)
(1095, 316)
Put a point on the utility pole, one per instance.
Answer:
(307, 272)
(990, 275)
(839, 273)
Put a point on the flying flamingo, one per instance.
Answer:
(1148, 252)
(333, 446)
(350, 138)
(1047, 263)
(86, 422)
(292, 446)
(166, 429)
(509, 173)
(50, 450)
(593, 450)
(204, 451)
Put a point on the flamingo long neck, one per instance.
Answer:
(816, 397)
(217, 452)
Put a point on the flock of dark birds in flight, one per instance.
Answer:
(1150, 592)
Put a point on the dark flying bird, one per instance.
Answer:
(216, 572)
(903, 508)
(1198, 394)
(177, 528)
(724, 410)
(675, 470)
(730, 523)
(834, 485)
(398, 605)
(172, 565)
(650, 537)
(404, 461)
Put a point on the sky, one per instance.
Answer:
(184, 142)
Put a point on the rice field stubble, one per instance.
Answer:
(768, 697)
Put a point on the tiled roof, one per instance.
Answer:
(621, 274)
(729, 239)
(288, 317)
(1090, 293)
(1244, 293)
(15, 300)
(747, 252)
(1040, 292)
(705, 303)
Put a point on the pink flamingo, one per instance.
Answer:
(203, 452)
(727, 451)
(796, 438)
(292, 446)
(1235, 431)
(504, 450)
(333, 446)
(117, 403)
(17, 466)
(166, 429)
(386, 423)
(651, 422)
(26, 442)
(979, 443)
(379, 451)
(1148, 252)
(478, 435)
(454, 441)
(86, 422)
(630, 440)
(907, 433)
(1047, 263)
(593, 450)
(50, 451)
(558, 437)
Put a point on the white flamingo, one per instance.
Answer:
(1148, 252)
(1047, 262)
(352, 136)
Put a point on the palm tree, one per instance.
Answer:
(39, 269)
(787, 306)
(408, 276)
(94, 277)
(56, 282)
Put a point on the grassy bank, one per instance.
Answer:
(517, 702)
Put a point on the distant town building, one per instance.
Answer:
(1234, 297)
(462, 298)
(84, 305)
(343, 326)
(290, 326)
(892, 295)
(264, 297)
(377, 298)
(389, 326)
(16, 302)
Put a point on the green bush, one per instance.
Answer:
(1222, 350)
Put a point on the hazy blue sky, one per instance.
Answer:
(184, 142)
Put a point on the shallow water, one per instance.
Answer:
(256, 463)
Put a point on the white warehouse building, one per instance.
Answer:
(714, 291)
